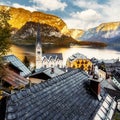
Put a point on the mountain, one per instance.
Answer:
(49, 35)
(106, 32)
(20, 17)
(53, 28)
(75, 33)
(55, 31)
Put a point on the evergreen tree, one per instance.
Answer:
(26, 61)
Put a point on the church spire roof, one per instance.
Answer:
(38, 38)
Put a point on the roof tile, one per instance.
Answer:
(64, 97)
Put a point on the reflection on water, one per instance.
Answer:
(22, 51)
(100, 53)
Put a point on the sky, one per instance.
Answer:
(77, 14)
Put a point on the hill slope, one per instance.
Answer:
(49, 35)
(106, 32)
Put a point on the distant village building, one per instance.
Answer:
(102, 74)
(46, 60)
(115, 79)
(109, 67)
(79, 61)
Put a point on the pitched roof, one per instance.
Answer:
(53, 55)
(16, 62)
(47, 71)
(77, 56)
(14, 79)
(65, 97)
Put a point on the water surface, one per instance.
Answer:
(111, 52)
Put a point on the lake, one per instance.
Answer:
(110, 52)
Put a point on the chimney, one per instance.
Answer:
(52, 70)
(66, 70)
(95, 87)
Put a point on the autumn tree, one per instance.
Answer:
(5, 32)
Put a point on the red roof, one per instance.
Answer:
(14, 79)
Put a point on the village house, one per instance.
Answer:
(16, 65)
(14, 76)
(79, 61)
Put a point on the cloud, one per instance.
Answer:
(111, 11)
(87, 4)
(49, 5)
(83, 20)
(93, 13)
(5, 3)
(87, 15)
(16, 5)
(79, 24)
(108, 10)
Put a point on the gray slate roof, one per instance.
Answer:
(17, 63)
(65, 97)
(47, 71)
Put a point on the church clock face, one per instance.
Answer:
(38, 52)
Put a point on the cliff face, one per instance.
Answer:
(75, 33)
(49, 35)
(24, 27)
(20, 16)
(106, 32)
(112, 26)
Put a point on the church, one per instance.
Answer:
(46, 60)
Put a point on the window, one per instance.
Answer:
(86, 62)
(78, 62)
(82, 62)
(82, 67)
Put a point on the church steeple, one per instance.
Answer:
(38, 39)
(38, 49)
